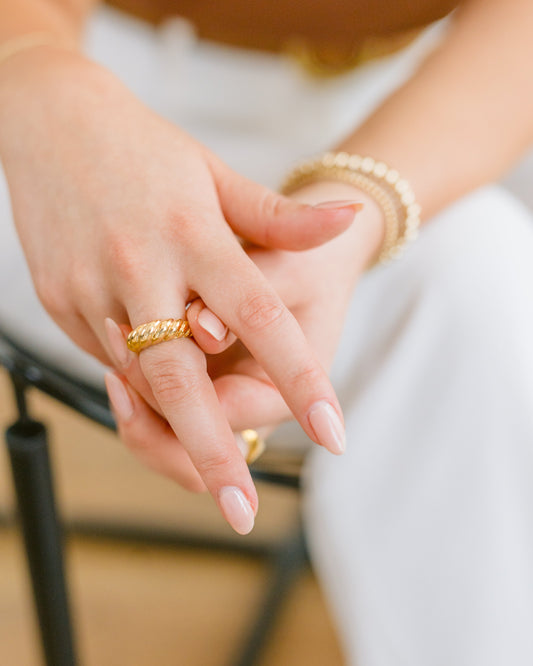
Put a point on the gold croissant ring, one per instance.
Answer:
(157, 331)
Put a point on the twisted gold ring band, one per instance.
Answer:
(157, 331)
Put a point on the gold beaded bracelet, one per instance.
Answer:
(392, 193)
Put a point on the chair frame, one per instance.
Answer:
(43, 532)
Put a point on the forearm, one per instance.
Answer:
(467, 114)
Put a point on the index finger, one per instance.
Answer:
(241, 296)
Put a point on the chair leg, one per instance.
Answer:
(288, 562)
(30, 464)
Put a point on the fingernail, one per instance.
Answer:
(236, 509)
(212, 324)
(328, 427)
(118, 396)
(339, 205)
(117, 344)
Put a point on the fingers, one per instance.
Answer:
(237, 297)
(149, 436)
(173, 374)
(293, 368)
(272, 220)
(126, 362)
(77, 327)
(247, 396)
(176, 372)
(151, 439)
(85, 338)
(256, 314)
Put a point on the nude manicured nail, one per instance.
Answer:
(328, 427)
(236, 509)
(212, 324)
(118, 396)
(339, 205)
(117, 344)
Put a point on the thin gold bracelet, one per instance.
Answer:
(28, 41)
(392, 193)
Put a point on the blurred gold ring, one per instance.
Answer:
(157, 331)
(256, 444)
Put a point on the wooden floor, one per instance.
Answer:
(143, 605)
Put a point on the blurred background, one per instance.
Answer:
(140, 605)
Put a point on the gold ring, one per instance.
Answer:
(157, 331)
(256, 444)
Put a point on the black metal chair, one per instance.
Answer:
(43, 531)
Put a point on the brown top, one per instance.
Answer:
(272, 24)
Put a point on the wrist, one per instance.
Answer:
(393, 194)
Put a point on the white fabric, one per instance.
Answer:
(422, 532)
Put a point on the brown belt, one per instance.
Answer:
(332, 61)
(317, 60)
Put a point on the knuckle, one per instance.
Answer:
(124, 257)
(187, 224)
(171, 382)
(214, 464)
(261, 312)
(309, 377)
(270, 204)
(180, 220)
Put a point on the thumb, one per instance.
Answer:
(268, 219)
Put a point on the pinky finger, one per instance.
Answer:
(149, 437)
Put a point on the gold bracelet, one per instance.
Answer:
(29, 41)
(392, 193)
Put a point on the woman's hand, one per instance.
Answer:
(316, 285)
(122, 215)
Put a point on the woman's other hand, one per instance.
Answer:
(317, 286)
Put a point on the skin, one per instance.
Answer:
(134, 233)
(247, 394)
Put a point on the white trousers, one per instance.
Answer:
(422, 533)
